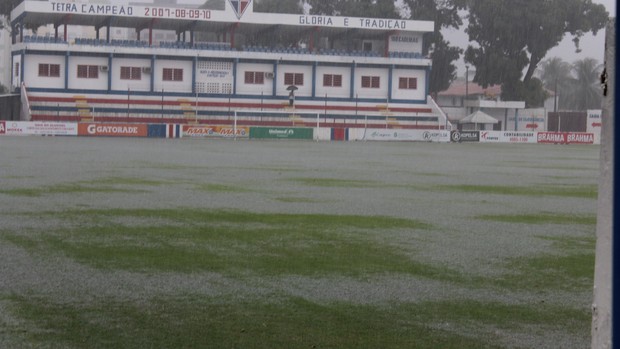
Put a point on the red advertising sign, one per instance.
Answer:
(213, 131)
(565, 138)
(580, 138)
(113, 130)
(2, 127)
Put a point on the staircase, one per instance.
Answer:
(83, 109)
(189, 111)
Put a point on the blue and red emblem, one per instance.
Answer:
(239, 6)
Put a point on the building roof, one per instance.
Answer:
(459, 88)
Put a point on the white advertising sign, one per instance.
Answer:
(406, 135)
(507, 137)
(594, 124)
(41, 128)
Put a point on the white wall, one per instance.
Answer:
(144, 84)
(418, 94)
(304, 90)
(100, 83)
(344, 91)
(253, 89)
(31, 72)
(527, 117)
(173, 86)
(5, 57)
(381, 92)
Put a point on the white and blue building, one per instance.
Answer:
(343, 70)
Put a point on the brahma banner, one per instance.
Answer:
(113, 130)
(37, 128)
(215, 131)
(565, 138)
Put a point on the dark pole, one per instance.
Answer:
(555, 100)
(466, 87)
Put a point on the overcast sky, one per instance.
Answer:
(591, 46)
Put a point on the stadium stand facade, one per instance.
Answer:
(266, 68)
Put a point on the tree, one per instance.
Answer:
(267, 36)
(444, 13)
(556, 76)
(278, 6)
(6, 6)
(586, 92)
(354, 8)
(513, 35)
(324, 8)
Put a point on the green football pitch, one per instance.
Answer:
(144, 243)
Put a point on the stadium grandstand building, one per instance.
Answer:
(263, 68)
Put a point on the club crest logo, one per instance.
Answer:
(239, 6)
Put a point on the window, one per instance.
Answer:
(256, 78)
(332, 80)
(370, 82)
(171, 74)
(296, 79)
(49, 70)
(17, 69)
(131, 73)
(408, 83)
(88, 71)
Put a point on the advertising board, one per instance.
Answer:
(164, 131)
(565, 138)
(594, 124)
(406, 135)
(281, 133)
(37, 128)
(113, 130)
(507, 137)
(214, 131)
(465, 136)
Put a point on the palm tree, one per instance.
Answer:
(556, 76)
(586, 92)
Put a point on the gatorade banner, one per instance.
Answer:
(113, 130)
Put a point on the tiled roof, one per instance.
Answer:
(458, 89)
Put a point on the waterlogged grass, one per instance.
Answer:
(64, 189)
(101, 185)
(570, 268)
(188, 322)
(542, 218)
(223, 188)
(297, 200)
(335, 182)
(233, 243)
(126, 181)
(168, 166)
(577, 191)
